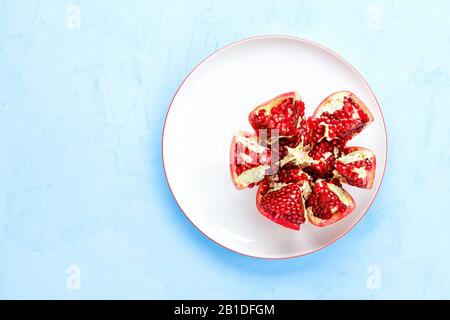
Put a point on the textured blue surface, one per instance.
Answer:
(84, 90)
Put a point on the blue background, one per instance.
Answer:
(81, 177)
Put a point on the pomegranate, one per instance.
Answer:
(281, 197)
(341, 115)
(356, 167)
(249, 161)
(328, 203)
(300, 164)
(281, 113)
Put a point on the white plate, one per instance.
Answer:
(214, 101)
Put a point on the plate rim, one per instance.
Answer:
(289, 37)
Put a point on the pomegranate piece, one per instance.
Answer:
(324, 155)
(328, 204)
(281, 198)
(341, 115)
(281, 113)
(249, 161)
(356, 167)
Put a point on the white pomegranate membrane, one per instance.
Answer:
(299, 164)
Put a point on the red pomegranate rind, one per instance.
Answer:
(357, 167)
(324, 155)
(281, 113)
(249, 161)
(342, 115)
(328, 204)
(281, 198)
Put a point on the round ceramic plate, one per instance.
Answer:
(214, 101)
